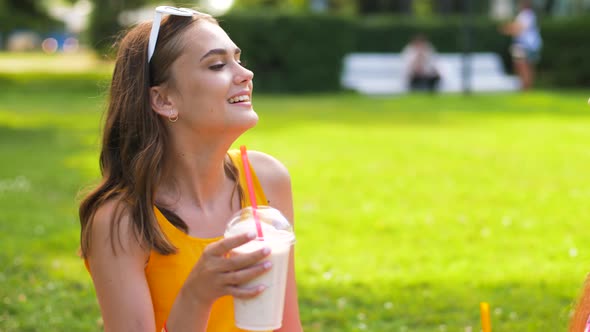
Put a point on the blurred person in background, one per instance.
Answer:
(152, 230)
(419, 57)
(526, 46)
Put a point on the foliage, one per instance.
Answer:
(423, 8)
(564, 59)
(281, 5)
(452, 34)
(25, 15)
(291, 53)
(303, 52)
(105, 28)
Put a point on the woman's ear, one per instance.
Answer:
(160, 101)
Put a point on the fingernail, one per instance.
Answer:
(266, 250)
(267, 265)
(251, 235)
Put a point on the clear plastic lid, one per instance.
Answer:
(273, 223)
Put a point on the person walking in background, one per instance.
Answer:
(419, 57)
(526, 47)
(152, 230)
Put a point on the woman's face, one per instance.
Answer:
(210, 89)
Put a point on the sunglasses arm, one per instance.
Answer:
(154, 35)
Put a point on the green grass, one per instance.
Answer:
(34, 62)
(409, 210)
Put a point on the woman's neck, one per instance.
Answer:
(194, 174)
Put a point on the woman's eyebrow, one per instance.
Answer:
(219, 51)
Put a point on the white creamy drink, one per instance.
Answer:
(265, 311)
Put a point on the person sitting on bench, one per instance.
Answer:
(420, 60)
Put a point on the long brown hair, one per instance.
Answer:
(582, 309)
(135, 137)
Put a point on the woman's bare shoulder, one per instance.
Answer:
(112, 230)
(270, 171)
(275, 181)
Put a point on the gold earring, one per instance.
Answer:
(173, 116)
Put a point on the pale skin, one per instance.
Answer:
(204, 78)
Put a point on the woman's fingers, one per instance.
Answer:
(245, 292)
(227, 269)
(238, 261)
(242, 276)
(224, 246)
(223, 259)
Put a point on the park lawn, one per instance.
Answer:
(410, 210)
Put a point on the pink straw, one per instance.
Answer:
(251, 190)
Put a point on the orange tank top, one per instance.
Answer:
(166, 274)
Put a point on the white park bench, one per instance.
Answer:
(385, 73)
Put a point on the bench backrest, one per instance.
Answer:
(389, 70)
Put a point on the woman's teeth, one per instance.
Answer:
(239, 99)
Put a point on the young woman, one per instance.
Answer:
(151, 232)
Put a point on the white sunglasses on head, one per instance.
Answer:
(160, 10)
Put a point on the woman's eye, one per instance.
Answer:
(217, 66)
(242, 63)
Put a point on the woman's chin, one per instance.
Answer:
(245, 122)
(252, 119)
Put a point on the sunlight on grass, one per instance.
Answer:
(75, 121)
(85, 163)
(78, 62)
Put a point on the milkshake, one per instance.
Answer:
(265, 311)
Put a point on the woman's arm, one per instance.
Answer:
(117, 269)
(522, 21)
(276, 182)
(512, 28)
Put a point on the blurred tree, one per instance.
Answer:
(421, 8)
(26, 6)
(104, 21)
(331, 6)
(289, 5)
(449, 6)
(25, 14)
(548, 7)
(384, 6)
(343, 6)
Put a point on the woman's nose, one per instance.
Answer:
(243, 75)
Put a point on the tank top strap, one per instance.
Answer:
(236, 158)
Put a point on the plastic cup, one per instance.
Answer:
(265, 311)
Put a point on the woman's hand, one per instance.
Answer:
(217, 273)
